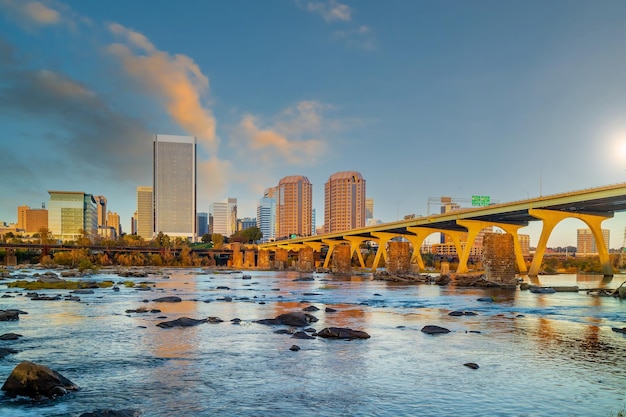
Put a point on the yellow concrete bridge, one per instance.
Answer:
(592, 206)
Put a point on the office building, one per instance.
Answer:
(133, 224)
(369, 209)
(101, 208)
(266, 218)
(344, 202)
(174, 186)
(72, 214)
(113, 220)
(31, 220)
(203, 224)
(586, 244)
(294, 205)
(21, 217)
(245, 223)
(218, 218)
(232, 216)
(145, 213)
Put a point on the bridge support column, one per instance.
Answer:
(263, 260)
(317, 248)
(281, 259)
(342, 259)
(474, 227)
(382, 238)
(420, 235)
(248, 259)
(331, 248)
(399, 258)
(550, 218)
(355, 246)
(10, 257)
(237, 261)
(306, 259)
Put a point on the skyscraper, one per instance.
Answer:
(344, 202)
(70, 214)
(145, 213)
(586, 243)
(223, 217)
(294, 205)
(266, 218)
(101, 208)
(113, 220)
(174, 186)
(369, 209)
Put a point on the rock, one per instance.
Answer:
(471, 365)
(461, 313)
(301, 335)
(310, 293)
(294, 348)
(618, 330)
(329, 310)
(310, 308)
(69, 273)
(342, 333)
(6, 351)
(82, 291)
(222, 288)
(431, 329)
(50, 279)
(46, 298)
(485, 299)
(181, 322)
(10, 336)
(113, 413)
(214, 320)
(296, 318)
(33, 380)
(170, 299)
(9, 315)
(303, 279)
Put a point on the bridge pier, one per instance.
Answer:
(355, 246)
(9, 257)
(499, 258)
(237, 260)
(342, 260)
(399, 258)
(306, 259)
(550, 218)
(248, 259)
(281, 259)
(263, 261)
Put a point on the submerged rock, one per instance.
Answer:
(295, 318)
(342, 333)
(35, 381)
(170, 299)
(471, 365)
(181, 322)
(6, 351)
(431, 329)
(9, 315)
(10, 336)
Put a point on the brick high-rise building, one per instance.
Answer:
(101, 208)
(294, 206)
(344, 202)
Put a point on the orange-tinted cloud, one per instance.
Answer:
(291, 138)
(175, 79)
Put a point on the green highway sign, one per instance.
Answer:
(481, 200)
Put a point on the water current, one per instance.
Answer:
(538, 354)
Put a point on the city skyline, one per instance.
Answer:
(425, 100)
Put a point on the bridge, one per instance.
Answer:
(592, 206)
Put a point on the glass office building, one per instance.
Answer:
(174, 186)
(70, 213)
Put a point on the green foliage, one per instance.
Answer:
(162, 240)
(218, 240)
(84, 264)
(206, 238)
(249, 235)
(60, 285)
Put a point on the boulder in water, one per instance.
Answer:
(431, 329)
(342, 333)
(36, 381)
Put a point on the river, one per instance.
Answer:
(538, 354)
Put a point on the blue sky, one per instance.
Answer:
(505, 99)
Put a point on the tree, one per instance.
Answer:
(252, 234)
(218, 240)
(162, 240)
(84, 239)
(206, 238)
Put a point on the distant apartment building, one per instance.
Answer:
(174, 186)
(101, 208)
(113, 220)
(266, 218)
(294, 206)
(31, 220)
(145, 213)
(223, 217)
(133, 224)
(586, 244)
(245, 223)
(524, 243)
(70, 214)
(344, 202)
(369, 209)
(203, 224)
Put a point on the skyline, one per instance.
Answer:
(512, 100)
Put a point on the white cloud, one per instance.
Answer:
(34, 14)
(331, 11)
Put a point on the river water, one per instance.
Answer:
(539, 354)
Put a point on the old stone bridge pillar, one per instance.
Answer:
(342, 260)
(499, 258)
(306, 259)
(263, 261)
(398, 257)
(281, 259)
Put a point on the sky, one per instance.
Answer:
(510, 100)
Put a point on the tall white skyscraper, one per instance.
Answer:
(266, 218)
(174, 189)
(145, 212)
(223, 217)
